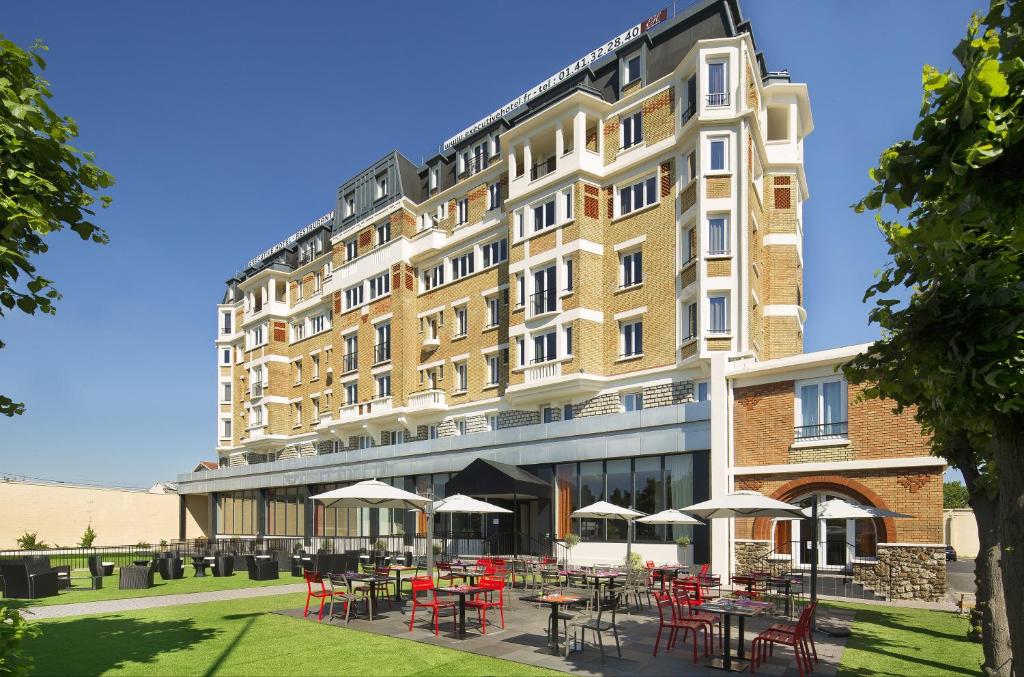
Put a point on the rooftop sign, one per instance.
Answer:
(325, 219)
(572, 69)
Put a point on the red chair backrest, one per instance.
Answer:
(444, 566)
(548, 560)
(649, 563)
(804, 623)
(704, 569)
(664, 601)
(498, 562)
(382, 571)
(311, 578)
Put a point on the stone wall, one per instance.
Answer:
(915, 572)
(750, 554)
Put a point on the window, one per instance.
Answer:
(632, 269)
(380, 285)
(495, 252)
(433, 178)
(521, 351)
(568, 413)
(296, 413)
(225, 392)
(632, 130)
(318, 323)
(638, 196)
(225, 323)
(353, 296)
(394, 437)
(352, 392)
(493, 311)
(350, 360)
(519, 223)
(351, 249)
(544, 285)
(463, 210)
(632, 338)
(716, 152)
(690, 100)
(633, 401)
(297, 370)
(690, 329)
(318, 282)
(461, 321)
(718, 235)
(442, 211)
(384, 385)
(494, 196)
(350, 204)
(257, 335)
(225, 355)
(255, 417)
(521, 288)
(433, 277)
(315, 404)
(703, 394)
(567, 332)
(690, 245)
(718, 91)
(461, 377)
(719, 315)
(567, 271)
(381, 184)
(544, 347)
(383, 233)
(225, 430)
(492, 422)
(691, 166)
(821, 408)
(257, 379)
(432, 432)
(495, 145)
(462, 266)
(548, 414)
(567, 203)
(493, 370)
(544, 215)
(460, 426)
(382, 346)
(364, 442)
(632, 69)
(315, 364)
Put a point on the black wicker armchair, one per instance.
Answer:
(170, 568)
(223, 565)
(28, 579)
(261, 569)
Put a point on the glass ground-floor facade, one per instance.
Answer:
(646, 483)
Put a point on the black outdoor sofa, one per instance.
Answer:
(261, 569)
(29, 578)
(170, 568)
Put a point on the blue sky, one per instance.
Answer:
(228, 125)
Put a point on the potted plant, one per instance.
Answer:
(570, 541)
(437, 549)
(635, 562)
(683, 543)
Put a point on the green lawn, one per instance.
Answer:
(207, 583)
(889, 640)
(239, 638)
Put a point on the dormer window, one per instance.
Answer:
(381, 182)
(350, 204)
(632, 70)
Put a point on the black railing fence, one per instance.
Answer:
(821, 431)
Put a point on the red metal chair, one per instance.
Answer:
(446, 575)
(493, 584)
(797, 636)
(323, 594)
(674, 625)
(688, 600)
(548, 560)
(429, 601)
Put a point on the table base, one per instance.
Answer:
(737, 664)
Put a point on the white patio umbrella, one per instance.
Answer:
(465, 504)
(377, 494)
(670, 516)
(743, 504)
(837, 508)
(606, 510)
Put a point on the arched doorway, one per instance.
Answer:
(840, 542)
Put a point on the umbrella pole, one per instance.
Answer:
(814, 558)
(430, 540)
(515, 526)
(629, 541)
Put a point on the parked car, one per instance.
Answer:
(950, 553)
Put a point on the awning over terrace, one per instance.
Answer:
(489, 479)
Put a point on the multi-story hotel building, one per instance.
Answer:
(581, 285)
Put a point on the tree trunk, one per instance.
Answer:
(990, 600)
(1008, 454)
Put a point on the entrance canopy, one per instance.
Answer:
(490, 479)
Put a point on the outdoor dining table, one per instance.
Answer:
(554, 601)
(471, 571)
(398, 569)
(373, 582)
(607, 576)
(675, 570)
(728, 607)
(463, 591)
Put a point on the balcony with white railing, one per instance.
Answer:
(257, 390)
(362, 410)
(543, 371)
(428, 400)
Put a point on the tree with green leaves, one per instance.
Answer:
(954, 495)
(46, 185)
(88, 537)
(950, 208)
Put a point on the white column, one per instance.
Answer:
(272, 288)
(559, 141)
(527, 159)
(721, 529)
(579, 132)
(512, 163)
